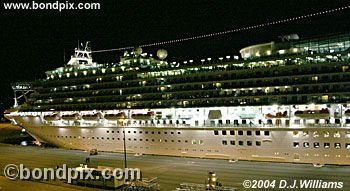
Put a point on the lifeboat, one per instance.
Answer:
(323, 113)
(117, 116)
(347, 112)
(277, 115)
(214, 114)
(52, 117)
(71, 117)
(148, 115)
(92, 117)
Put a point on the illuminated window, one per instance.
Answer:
(306, 144)
(337, 134)
(326, 145)
(347, 145)
(324, 98)
(296, 144)
(295, 133)
(326, 134)
(316, 145)
(337, 145)
(305, 133)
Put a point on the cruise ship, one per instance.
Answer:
(282, 101)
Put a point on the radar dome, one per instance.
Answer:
(162, 54)
(137, 50)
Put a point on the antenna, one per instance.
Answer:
(88, 46)
(64, 55)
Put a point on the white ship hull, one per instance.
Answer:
(296, 143)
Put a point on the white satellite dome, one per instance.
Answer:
(137, 50)
(162, 54)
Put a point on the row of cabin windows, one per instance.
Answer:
(74, 137)
(164, 122)
(326, 134)
(235, 122)
(194, 102)
(248, 133)
(146, 132)
(327, 121)
(241, 143)
(317, 145)
(206, 78)
(272, 90)
(201, 150)
(194, 142)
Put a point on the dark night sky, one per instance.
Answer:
(33, 42)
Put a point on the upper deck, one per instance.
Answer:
(314, 70)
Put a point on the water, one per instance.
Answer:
(11, 134)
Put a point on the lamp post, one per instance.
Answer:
(125, 164)
(124, 142)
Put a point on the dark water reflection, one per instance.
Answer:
(11, 134)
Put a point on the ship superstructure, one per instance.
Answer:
(281, 101)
